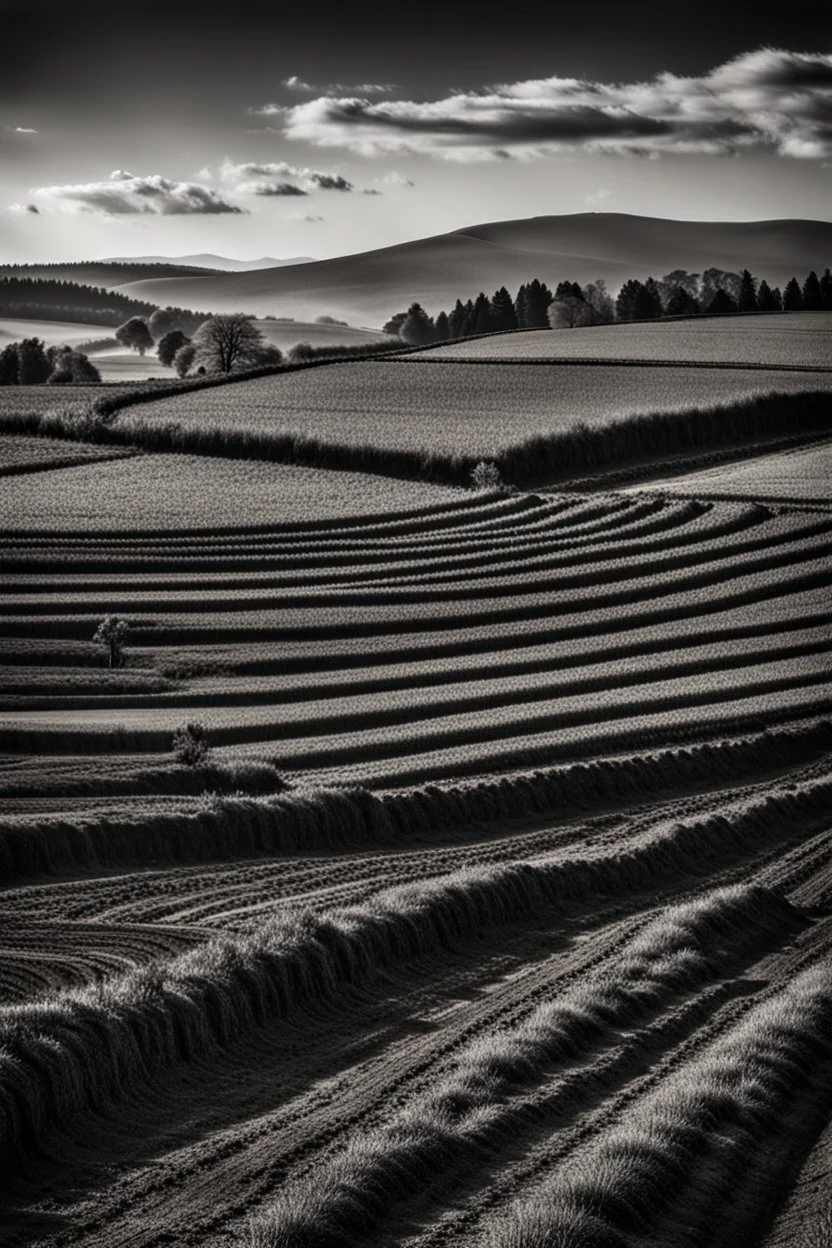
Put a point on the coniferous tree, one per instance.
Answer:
(777, 299)
(765, 298)
(792, 297)
(721, 304)
(812, 297)
(748, 298)
(826, 290)
(443, 331)
(481, 322)
(468, 319)
(648, 304)
(626, 302)
(456, 320)
(538, 298)
(521, 307)
(502, 310)
(681, 303)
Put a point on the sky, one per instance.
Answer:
(326, 128)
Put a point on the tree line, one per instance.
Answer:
(570, 305)
(46, 299)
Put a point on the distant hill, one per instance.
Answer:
(366, 288)
(105, 273)
(208, 261)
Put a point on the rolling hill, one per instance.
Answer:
(207, 260)
(368, 287)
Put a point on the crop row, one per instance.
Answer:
(479, 1102)
(80, 1050)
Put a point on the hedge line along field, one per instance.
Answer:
(427, 408)
(802, 338)
(498, 913)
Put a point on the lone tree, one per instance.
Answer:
(190, 744)
(135, 334)
(111, 632)
(224, 343)
(169, 345)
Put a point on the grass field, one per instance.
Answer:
(453, 410)
(498, 914)
(804, 338)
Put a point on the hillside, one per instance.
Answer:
(206, 260)
(368, 287)
(106, 273)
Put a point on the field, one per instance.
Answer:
(498, 914)
(804, 339)
(804, 475)
(454, 409)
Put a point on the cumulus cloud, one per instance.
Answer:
(124, 194)
(396, 179)
(270, 179)
(360, 88)
(32, 208)
(771, 98)
(21, 129)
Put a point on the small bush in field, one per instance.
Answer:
(486, 476)
(111, 632)
(190, 744)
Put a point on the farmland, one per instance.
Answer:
(802, 339)
(498, 914)
(451, 409)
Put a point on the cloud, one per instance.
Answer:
(20, 129)
(270, 179)
(32, 208)
(372, 191)
(595, 198)
(396, 179)
(361, 88)
(770, 99)
(305, 216)
(124, 194)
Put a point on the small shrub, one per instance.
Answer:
(111, 632)
(190, 744)
(486, 476)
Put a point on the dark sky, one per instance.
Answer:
(151, 54)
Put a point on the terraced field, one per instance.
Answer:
(499, 914)
(803, 474)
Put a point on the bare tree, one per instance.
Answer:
(224, 343)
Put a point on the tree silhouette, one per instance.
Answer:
(169, 345)
(826, 290)
(417, 327)
(812, 297)
(443, 331)
(748, 298)
(135, 334)
(224, 343)
(502, 310)
(481, 322)
(721, 304)
(792, 297)
(680, 302)
(456, 320)
(111, 632)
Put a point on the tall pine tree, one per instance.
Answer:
(826, 290)
(812, 297)
(792, 297)
(748, 299)
(502, 310)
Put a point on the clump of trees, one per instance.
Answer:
(221, 344)
(31, 363)
(51, 300)
(168, 346)
(679, 293)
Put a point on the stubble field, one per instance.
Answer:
(498, 914)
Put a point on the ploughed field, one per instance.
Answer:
(499, 914)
